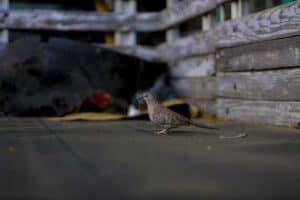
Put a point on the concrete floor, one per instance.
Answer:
(123, 160)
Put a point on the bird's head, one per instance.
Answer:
(149, 98)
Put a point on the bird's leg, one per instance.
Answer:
(163, 132)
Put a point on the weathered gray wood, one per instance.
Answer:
(142, 52)
(3, 14)
(205, 106)
(4, 34)
(79, 21)
(65, 20)
(198, 66)
(2, 46)
(128, 7)
(279, 85)
(185, 10)
(278, 22)
(279, 113)
(222, 1)
(207, 21)
(200, 92)
(92, 21)
(199, 44)
(199, 88)
(282, 53)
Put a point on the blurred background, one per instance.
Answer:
(62, 57)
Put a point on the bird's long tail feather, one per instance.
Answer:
(203, 126)
(236, 136)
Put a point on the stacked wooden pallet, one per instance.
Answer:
(267, 92)
(257, 67)
(260, 79)
(246, 68)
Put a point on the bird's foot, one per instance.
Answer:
(162, 132)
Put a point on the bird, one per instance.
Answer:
(168, 119)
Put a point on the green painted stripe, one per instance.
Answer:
(218, 14)
(286, 1)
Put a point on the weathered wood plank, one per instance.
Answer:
(200, 88)
(125, 38)
(4, 34)
(194, 66)
(279, 85)
(92, 21)
(2, 46)
(78, 21)
(199, 44)
(3, 14)
(279, 113)
(205, 106)
(282, 53)
(141, 52)
(222, 1)
(58, 20)
(278, 22)
(185, 10)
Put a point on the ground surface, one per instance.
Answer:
(123, 160)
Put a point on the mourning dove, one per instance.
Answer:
(168, 119)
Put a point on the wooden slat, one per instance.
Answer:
(4, 34)
(199, 88)
(92, 21)
(127, 38)
(205, 106)
(194, 66)
(222, 1)
(79, 21)
(279, 85)
(283, 53)
(2, 46)
(185, 10)
(141, 52)
(279, 113)
(200, 92)
(3, 14)
(278, 22)
(198, 44)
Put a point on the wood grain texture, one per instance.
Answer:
(185, 10)
(199, 44)
(276, 23)
(279, 85)
(2, 46)
(205, 106)
(200, 88)
(279, 113)
(78, 21)
(194, 66)
(279, 22)
(93, 21)
(222, 1)
(138, 51)
(282, 53)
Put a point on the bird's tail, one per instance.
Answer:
(229, 136)
(202, 125)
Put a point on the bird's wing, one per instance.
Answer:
(175, 118)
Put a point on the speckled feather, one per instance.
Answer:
(165, 117)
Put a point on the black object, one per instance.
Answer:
(51, 79)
